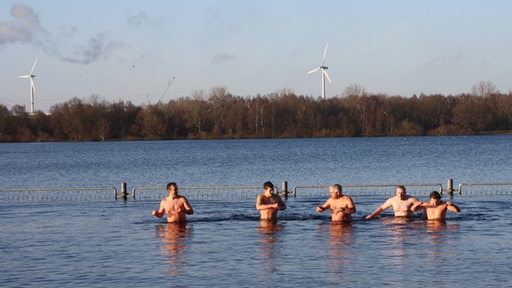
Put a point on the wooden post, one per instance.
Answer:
(124, 194)
(285, 189)
(450, 187)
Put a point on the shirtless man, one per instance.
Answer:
(341, 205)
(176, 206)
(436, 209)
(401, 203)
(269, 203)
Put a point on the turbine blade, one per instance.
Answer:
(327, 75)
(314, 70)
(325, 53)
(33, 67)
(24, 76)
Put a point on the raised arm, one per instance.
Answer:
(262, 206)
(281, 205)
(417, 206)
(452, 207)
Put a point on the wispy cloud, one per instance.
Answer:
(445, 59)
(137, 20)
(221, 58)
(27, 29)
(97, 47)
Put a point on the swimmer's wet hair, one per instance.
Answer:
(435, 195)
(268, 184)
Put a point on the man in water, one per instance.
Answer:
(401, 203)
(436, 209)
(176, 206)
(269, 203)
(341, 205)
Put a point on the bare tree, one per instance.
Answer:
(354, 90)
(483, 89)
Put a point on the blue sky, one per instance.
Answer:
(142, 51)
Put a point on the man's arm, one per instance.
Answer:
(452, 207)
(161, 211)
(324, 207)
(188, 207)
(261, 206)
(417, 206)
(379, 210)
(281, 205)
(350, 208)
(375, 213)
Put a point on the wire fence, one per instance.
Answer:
(57, 194)
(199, 192)
(232, 193)
(366, 190)
(484, 189)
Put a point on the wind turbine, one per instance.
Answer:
(324, 72)
(32, 87)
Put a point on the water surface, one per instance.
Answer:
(119, 244)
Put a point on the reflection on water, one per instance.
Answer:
(439, 234)
(440, 227)
(339, 248)
(406, 235)
(269, 233)
(174, 237)
(402, 233)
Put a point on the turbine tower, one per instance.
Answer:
(32, 87)
(324, 72)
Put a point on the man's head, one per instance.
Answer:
(435, 195)
(335, 191)
(268, 186)
(400, 191)
(172, 189)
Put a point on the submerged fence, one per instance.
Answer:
(485, 189)
(57, 194)
(198, 192)
(366, 190)
(156, 193)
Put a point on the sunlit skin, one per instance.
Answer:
(401, 203)
(269, 203)
(176, 206)
(436, 209)
(341, 206)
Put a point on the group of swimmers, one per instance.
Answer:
(341, 206)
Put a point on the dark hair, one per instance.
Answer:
(435, 195)
(171, 184)
(402, 187)
(268, 184)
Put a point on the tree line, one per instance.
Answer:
(221, 115)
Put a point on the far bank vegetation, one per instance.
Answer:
(221, 115)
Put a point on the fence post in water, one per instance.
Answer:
(449, 187)
(123, 191)
(285, 189)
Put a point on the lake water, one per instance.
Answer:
(119, 244)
